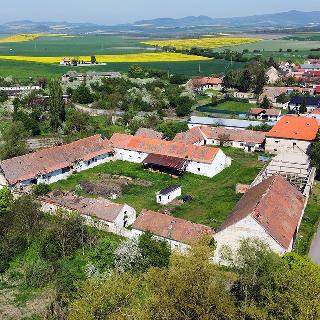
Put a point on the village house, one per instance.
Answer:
(149, 133)
(286, 66)
(169, 156)
(270, 211)
(273, 75)
(247, 140)
(53, 164)
(265, 114)
(292, 133)
(196, 121)
(315, 114)
(200, 84)
(167, 195)
(178, 232)
(296, 102)
(100, 212)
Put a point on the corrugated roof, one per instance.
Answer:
(166, 161)
(295, 127)
(50, 159)
(171, 228)
(275, 204)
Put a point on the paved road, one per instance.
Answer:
(315, 247)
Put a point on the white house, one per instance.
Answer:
(53, 164)
(169, 156)
(178, 232)
(292, 133)
(100, 212)
(167, 195)
(200, 84)
(247, 140)
(270, 211)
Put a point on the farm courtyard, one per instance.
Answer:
(212, 198)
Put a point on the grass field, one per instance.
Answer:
(213, 198)
(25, 70)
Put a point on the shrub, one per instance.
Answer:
(41, 189)
(38, 273)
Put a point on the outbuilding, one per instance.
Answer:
(167, 195)
(179, 233)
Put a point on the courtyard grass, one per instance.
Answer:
(212, 198)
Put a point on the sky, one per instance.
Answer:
(110, 12)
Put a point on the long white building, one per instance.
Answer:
(166, 155)
(53, 164)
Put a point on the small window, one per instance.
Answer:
(275, 149)
(294, 144)
(199, 169)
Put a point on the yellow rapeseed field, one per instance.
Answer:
(30, 37)
(137, 57)
(209, 43)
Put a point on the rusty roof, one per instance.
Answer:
(163, 147)
(295, 127)
(149, 133)
(198, 134)
(100, 208)
(50, 159)
(169, 227)
(275, 204)
(166, 161)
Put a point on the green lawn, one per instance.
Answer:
(213, 198)
(309, 222)
(235, 106)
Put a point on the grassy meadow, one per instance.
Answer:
(213, 198)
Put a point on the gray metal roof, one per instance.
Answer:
(231, 123)
(310, 66)
(168, 190)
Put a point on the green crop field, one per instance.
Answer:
(77, 46)
(213, 198)
(25, 70)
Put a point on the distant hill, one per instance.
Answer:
(290, 19)
(282, 19)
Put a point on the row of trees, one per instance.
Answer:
(257, 285)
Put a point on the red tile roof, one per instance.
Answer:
(100, 208)
(275, 204)
(294, 127)
(168, 227)
(50, 159)
(199, 82)
(163, 147)
(198, 134)
(149, 133)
